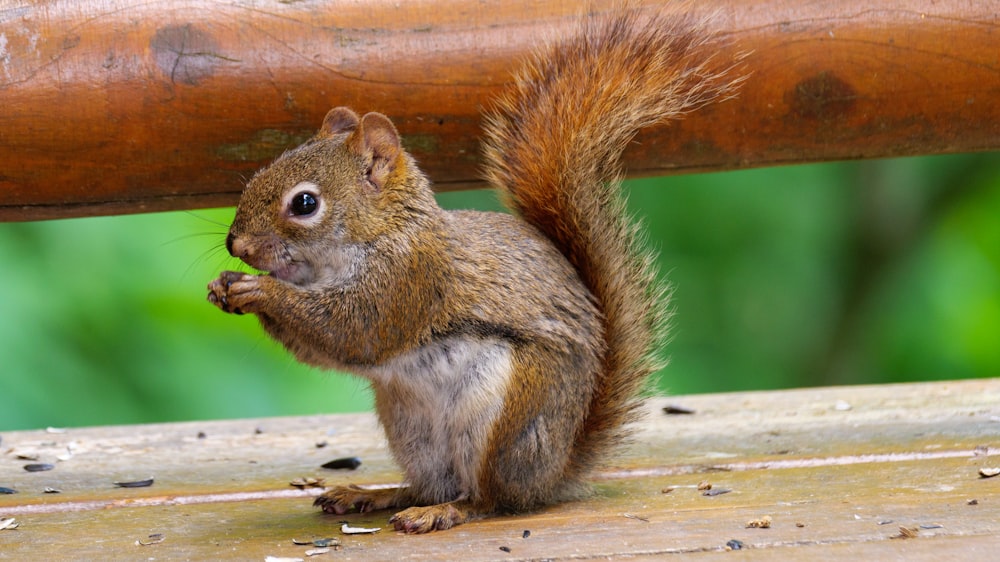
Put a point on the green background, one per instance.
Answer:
(858, 272)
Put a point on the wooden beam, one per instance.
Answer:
(129, 106)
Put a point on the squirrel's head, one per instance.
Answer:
(314, 211)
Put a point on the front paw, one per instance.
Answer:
(235, 292)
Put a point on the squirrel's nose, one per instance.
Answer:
(229, 244)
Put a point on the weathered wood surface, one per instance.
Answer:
(113, 106)
(838, 470)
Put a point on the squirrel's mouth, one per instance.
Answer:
(284, 269)
(284, 273)
(292, 272)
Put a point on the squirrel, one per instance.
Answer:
(506, 352)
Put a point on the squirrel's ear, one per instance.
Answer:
(338, 120)
(382, 140)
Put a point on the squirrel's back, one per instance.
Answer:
(553, 145)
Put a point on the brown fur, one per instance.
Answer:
(505, 353)
(599, 88)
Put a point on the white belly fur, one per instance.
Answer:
(453, 391)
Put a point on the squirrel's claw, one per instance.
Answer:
(233, 291)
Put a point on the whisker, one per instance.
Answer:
(206, 219)
(220, 236)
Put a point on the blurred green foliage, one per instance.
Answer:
(875, 271)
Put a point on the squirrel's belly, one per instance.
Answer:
(438, 405)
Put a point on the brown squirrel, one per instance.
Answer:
(505, 351)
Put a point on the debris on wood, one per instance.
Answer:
(317, 551)
(51, 490)
(760, 523)
(135, 483)
(331, 542)
(667, 490)
(842, 406)
(715, 492)
(704, 485)
(282, 559)
(981, 451)
(201, 435)
(8, 524)
(972, 502)
(928, 526)
(734, 545)
(321, 444)
(7, 490)
(631, 516)
(907, 533)
(55, 430)
(308, 482)
(988, 472)
(155, 538)
(39, 467)
(505, 548)
(674, 410)
(348, 530)
(800, 524)
(347, 463)
(525, 534)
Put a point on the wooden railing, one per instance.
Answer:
(128, 106)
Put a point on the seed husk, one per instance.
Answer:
(675, 410)
(135, 483)
(348, 530)
(152, 539)
(761, 523)
(907, 533)
(307, 482)
(346, 463)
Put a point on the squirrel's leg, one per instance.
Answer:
(525, 466)
(341, 499)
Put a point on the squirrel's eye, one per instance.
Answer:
(303, 204)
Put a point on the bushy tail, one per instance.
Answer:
(552, 147)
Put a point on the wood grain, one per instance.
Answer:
(838, 470)
(116, 106)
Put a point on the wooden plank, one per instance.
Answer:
(838, 470)
(130, 106)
